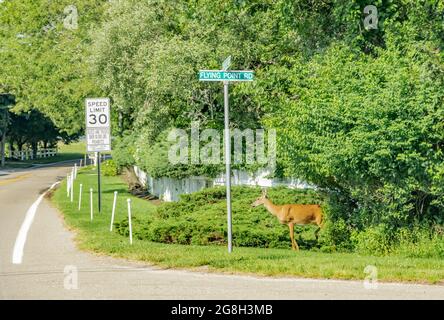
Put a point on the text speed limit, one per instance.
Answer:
(97, 113)
(98, 131)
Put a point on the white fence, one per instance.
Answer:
(29, 155)
(169, 189)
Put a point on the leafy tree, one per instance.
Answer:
(45, 62)
(6, 101)
(32, 128)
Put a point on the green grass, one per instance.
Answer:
(72, 151)
(96, 237)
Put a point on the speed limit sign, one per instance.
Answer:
(98, 133)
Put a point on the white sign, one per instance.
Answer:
(226, 64)
(98, 133)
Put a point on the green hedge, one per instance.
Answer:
(200, 218)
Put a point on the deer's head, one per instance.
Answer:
(261, 199)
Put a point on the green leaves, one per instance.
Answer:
(369, 123)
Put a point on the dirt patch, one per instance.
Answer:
(136, 188)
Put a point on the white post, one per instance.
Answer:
(80, 196)
(129, 221)
(68, 185)
(81, 162)
(72, 186)
(114, 210)
(91, 203)
(75, 170)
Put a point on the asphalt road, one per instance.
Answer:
(51, 263)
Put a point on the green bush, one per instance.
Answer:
(375, 240)
(109, 168)
(420, 242)
(200, 218)
(417, 241)
(336, 236)
(123, 151)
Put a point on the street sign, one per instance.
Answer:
(98, 133)
(226, 64)
(227, 77)
(221, 75)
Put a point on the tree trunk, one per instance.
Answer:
(2, 149)
(120, 124)
(34, 149)
(11, 148)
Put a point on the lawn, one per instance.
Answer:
(72, 151)
(96, 237)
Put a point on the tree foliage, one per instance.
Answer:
(43, 63)
(358, 112)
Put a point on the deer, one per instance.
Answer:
(292, 214)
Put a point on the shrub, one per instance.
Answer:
(336, 236)
(123, 151)
(419, 242)
(375, 240)
(109, 168)
(200, 218)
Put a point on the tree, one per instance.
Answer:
(366, 125)
(32, 128)
(45, 62)
(6, 101)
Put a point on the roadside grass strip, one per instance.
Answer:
(95, 236)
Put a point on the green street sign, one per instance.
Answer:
(220, 75)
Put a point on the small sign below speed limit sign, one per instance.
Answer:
(98, 133)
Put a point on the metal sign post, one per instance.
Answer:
(98, 133)
(226, 77)
(228, 164)
(99, 189)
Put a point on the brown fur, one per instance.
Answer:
(292, 214)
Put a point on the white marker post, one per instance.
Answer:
(80, 196)
(81, 160)
(114, 211)
(75, 170)
(72, 185)
(226, 76)
(68, 185)
(129, 221)
(91, 203)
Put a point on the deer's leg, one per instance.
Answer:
(317, 233)
(294, 245)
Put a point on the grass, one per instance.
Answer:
(72, 151)
(96, 237)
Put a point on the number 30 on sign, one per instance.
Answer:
(97, 113)
(98, 135)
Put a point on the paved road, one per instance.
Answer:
(50, 255)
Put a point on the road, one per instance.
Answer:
(51, 259)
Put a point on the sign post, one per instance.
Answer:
(98, 132)
(226, 77)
